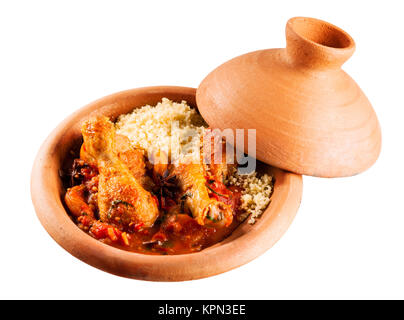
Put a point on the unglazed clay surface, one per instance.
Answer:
(310, 116)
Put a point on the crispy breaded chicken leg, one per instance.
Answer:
(121, 198)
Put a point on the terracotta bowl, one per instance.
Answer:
(244, 244)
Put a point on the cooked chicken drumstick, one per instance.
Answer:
(205, 210)
(215, 154)
(131, 157)
(122, 200)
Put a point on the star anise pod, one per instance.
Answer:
(166, 185)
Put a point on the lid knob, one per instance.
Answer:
(314, 43)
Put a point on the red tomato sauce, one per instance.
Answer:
(174, 232)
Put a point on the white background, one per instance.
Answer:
(347, 240)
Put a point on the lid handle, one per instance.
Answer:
(317, 44)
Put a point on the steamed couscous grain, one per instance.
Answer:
(256, 193)
(172, 127)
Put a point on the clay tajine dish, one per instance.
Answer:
(243, 245)
(311, 117)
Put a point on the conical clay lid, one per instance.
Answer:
(310, 116)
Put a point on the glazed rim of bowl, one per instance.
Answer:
(243, 245)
